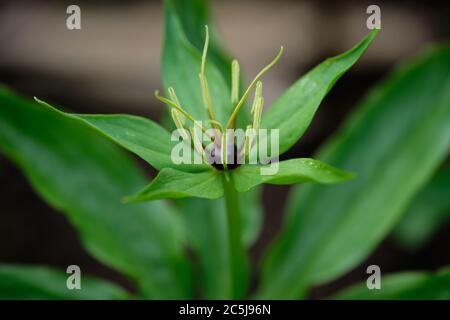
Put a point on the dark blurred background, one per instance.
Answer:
(111, 65)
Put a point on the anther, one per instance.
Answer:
(235, 70)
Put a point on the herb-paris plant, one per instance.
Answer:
(192, 101)
(145, 241)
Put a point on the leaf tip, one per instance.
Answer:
(128, 199)
(346, 176)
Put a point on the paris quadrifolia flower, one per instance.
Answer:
(222, 145)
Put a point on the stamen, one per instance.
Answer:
(258, 94)
(252, 84)
(216, 123)
(257, 113)
(205, 51)
(203, 81)
(198, 146)
(178, 120)
(235, 82)
(177, 117)
(173, 105)
(224, 150)
(173, 96)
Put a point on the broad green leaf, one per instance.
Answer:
(206, 225)
(394, 143)
(18, 282)
(429, 210)
(294, 110)
(171, 183)
(404, 286)
(287, 172)
(206, 231)
(83, 175)
(252, 215)
(141, 136)
(181, 68)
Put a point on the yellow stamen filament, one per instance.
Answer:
(173, 96)
(252, 84)
(224, 150)
(247, 142)
(203, 81)
(198, 146)
(258, 94)
(257, 113)
(215, 123)
(235, 70)
(182, 111)
(176, 116)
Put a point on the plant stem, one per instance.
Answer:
(237, 256)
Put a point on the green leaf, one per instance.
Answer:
(181, 68)
(83, 175)
(294, 110)
(141, 136)
(394, 142)
(171, 183)
(404, 286)
(31, 283)
(288, 172)
(206, 225)
(429, 210)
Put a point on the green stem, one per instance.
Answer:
(237, 255)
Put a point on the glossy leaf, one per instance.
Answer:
(145, 138)
(252, 215)
(394, 142)
(294, 110)
(31, 283)
(429, 210)
(141, 136)
(83, 175)
(404, 286)
(171, 183)
(288, 172)
(181, 68)
(206, 230)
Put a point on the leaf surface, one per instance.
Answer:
(31, 283)
(84, 176)
(429, 211)
(171, 183)
(403, 286)
(291, 171)
(394, 143)
(294, 110)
